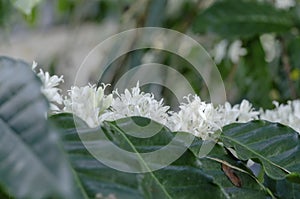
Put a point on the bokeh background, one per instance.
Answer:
(255, 43)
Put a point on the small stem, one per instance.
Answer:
(287, 68)
(230, 78)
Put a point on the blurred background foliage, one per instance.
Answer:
(255, 43)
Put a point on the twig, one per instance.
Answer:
(287, 68)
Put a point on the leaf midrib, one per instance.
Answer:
(145, 164)
(257, 154)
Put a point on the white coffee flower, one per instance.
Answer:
(238, 113)
(229, 114)
(246, 112)
(49, 87)
(287, 114)
(236, 51)
(196, 117)
(285, 4)
(203, 119)
(88, 103)
(137, 103)
(268, 42)
(220, 51)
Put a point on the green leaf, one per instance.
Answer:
(186, 177)
(25, 6)
(182, 178)
(275, 146)
(93, 177)
(283, 188)
(231, 18)
(31, 163)
(212, 164)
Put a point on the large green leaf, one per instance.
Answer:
(244, 18)
(183, 178)
(275, 146)
(95, 177)
(186, 177)
(31, 163)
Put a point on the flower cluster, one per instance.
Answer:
(49, 87)
(194, 116)
(203, 119)
(88, 103)
(137, 103)
(287, 114)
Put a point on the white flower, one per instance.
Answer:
(137, 103)
(268, 42)
(49, 88)
(220, 51)
(88, 103)
(196, 117)
(203, 120)
(229, 114)
(287, 114)
(246, 112)
(285, 4)
(238, 113)
(236, 51)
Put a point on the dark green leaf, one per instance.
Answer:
(212, 163)
(182, 178)
(231, 18)
(275, 146)
(187, 177)
(93, 177)
(179, 180)
(31, 164)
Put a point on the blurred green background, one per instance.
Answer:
(255, 43)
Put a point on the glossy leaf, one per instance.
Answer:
(31, 162)
(275, 146)
(212, 165)
(182, 178)
(186, 177)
